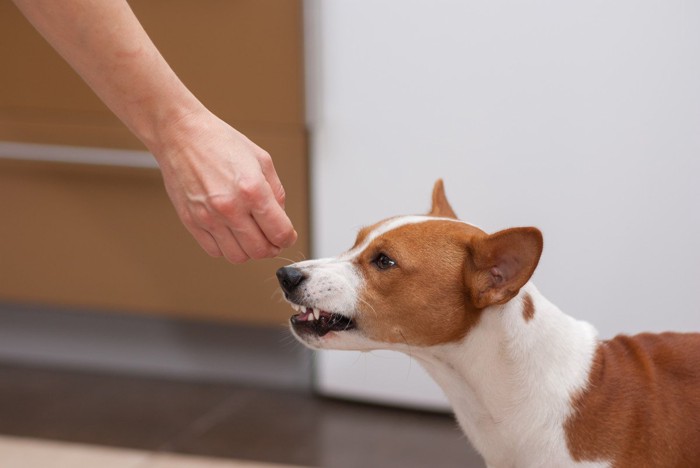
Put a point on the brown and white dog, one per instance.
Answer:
(530, 386)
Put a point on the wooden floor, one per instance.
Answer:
(80, 419)
(28, 453)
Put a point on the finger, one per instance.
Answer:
(273, 221)
(252, 240)
(205, 240)
(229, 246)
(268, 169)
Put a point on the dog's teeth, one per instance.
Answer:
(317, 314)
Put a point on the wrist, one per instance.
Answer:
(164, 128)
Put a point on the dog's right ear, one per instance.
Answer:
(441, 207)
(500, 264)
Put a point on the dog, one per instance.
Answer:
(530, 386)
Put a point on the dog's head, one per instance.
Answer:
(408, 280)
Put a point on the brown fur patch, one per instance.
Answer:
(440, 206)
(642, 403)
(422, 300)
(528, 308)
(444, 276)
(501, 263)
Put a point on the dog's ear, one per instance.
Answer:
(500, 264)
(441, 207)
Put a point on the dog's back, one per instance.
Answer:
(642, 403)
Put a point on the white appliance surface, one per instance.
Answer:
(581, 118)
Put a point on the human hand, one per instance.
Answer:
(224, 188)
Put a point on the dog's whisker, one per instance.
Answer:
(289, 260)
(290, 341)
(410, 353)
(277, 295)
(368, 305)
(357, 358)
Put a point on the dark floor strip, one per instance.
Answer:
(224, 420)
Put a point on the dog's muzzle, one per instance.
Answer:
(309, 320)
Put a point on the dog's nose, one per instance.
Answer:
(290, 278)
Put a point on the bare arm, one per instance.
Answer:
(224, 187)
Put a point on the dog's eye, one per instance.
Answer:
(383, 262)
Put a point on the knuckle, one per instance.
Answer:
(264, 157)
(221, 205)
(203, 217)
(281, 195)
(279, 239)
(237, 257)
(267, 252)
(250, 189)
(261, 251)
(283, 238)
(187, 218)
(213, 252)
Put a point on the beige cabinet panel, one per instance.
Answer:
(107, 238)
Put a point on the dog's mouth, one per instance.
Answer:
(319, 322)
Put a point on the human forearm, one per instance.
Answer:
(223, 186)
(104, 42)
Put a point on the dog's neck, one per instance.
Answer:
(511, 379)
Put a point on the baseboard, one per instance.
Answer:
(153, 346)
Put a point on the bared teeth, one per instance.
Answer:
(306, 313)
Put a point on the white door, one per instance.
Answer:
(581, 118)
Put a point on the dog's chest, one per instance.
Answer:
(512, 417)
(508, 435)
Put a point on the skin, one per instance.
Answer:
(224, 187)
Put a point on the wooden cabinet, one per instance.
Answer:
(100, 237)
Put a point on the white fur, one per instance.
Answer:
(390, 225)
(331, 285)
(510, 381)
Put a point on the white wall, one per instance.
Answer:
(581, 118)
